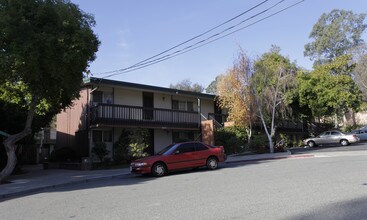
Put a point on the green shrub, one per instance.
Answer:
(121, 148)
(259, 143)
(350, 128)
(283, 144)
(234, 139)
(132, 144)
(137, 150)
(100, 149)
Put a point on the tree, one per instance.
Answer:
(329, 90)
(361, 75)
(45, 45)
(272, 77)
(360, 72)
(334, 34)
(234, 93)
(212, 87)
(187, 85)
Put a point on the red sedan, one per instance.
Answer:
(180, 156)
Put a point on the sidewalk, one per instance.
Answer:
(36, 178)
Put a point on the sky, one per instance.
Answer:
(131, 31)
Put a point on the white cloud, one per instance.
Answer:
(122, 40)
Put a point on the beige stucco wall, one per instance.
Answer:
(162, 101)
(207, 106)
(128, 97)
(162, 138)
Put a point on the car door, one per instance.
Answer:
(202, 153)
(335, 137)
(182, 157)
(323, 138)
(362, 135)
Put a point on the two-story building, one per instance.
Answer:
(105, 107)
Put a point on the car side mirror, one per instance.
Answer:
(177, 152)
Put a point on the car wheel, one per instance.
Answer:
(159, 169)
(344, 142)
(212, 163)
(311, 144)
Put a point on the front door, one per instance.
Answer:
(148, 105)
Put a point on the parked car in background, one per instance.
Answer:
(180, 156)
(361, 134)
(331, 137)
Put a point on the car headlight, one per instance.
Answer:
(142, 164)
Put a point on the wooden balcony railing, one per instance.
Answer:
(123, 115)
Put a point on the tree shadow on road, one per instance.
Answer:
(352, 209)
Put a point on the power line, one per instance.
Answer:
(204, 42)
(212, 36)
(191, 39)
(249, 25)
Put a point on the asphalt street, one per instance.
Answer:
(331, 185)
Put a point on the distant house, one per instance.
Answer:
(105, 107)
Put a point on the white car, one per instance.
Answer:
(331, 137)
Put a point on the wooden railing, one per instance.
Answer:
(110, 114)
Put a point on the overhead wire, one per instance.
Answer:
(212, 36)
(201, 43)
(191, 39)
(182, 52)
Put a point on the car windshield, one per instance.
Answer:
(164, 150)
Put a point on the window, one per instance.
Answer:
(107, 136)
(200, 147)
(102, 97)
(190, 106)
(174, 104)
(97, 96)
(107, 97)
(185, 148)
(97, 136)
(102, 136)
(182, 105)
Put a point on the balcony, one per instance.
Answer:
(134, 116)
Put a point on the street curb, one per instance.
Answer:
(93, 179)
(55, 186)
(271, 158)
